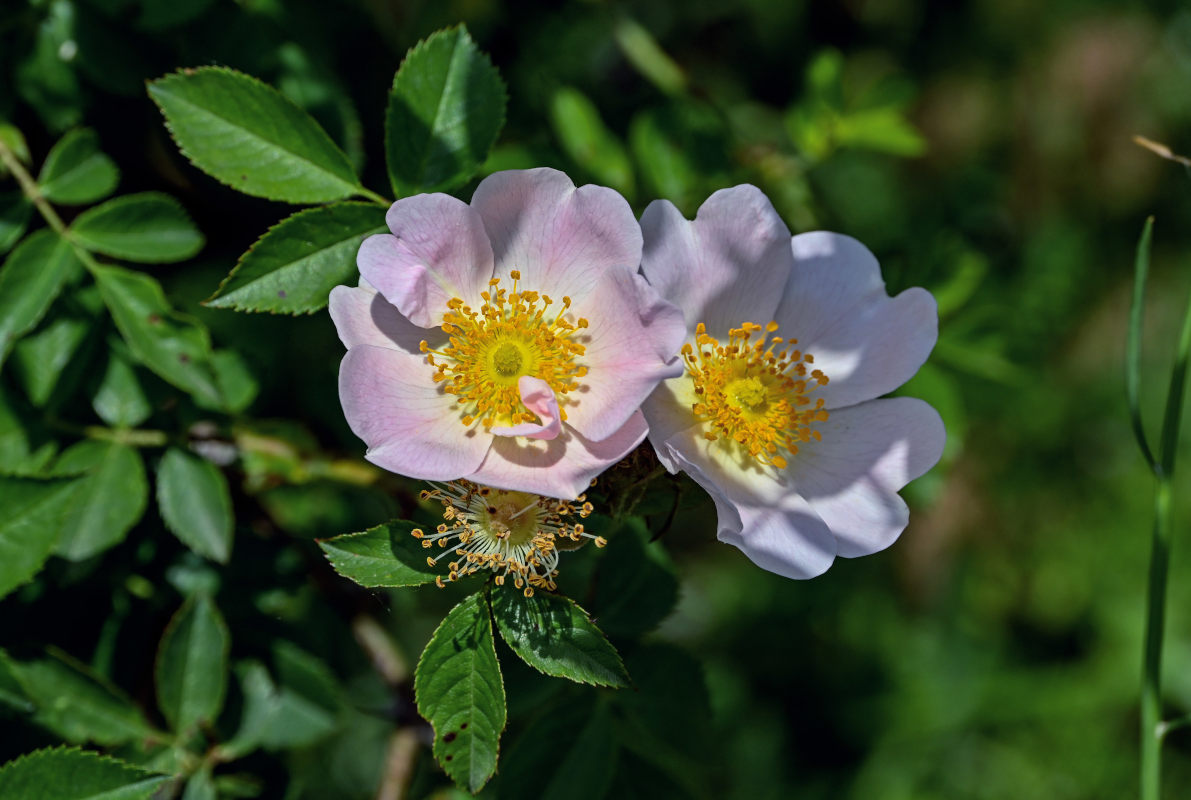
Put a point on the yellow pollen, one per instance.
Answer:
(753, 392)
(513, 333)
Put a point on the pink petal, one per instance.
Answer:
(868, 452)
(391, 402)
(538, 397)
(784, 536)
(632, 343)
(835, 304)
(561, 467)
(560, 238)
(438, 250)
(726, 267)
(362, 316)
(668, 411)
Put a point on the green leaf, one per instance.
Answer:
(196, 504)
(643, 52)
(175, 347)
(23, 448)
(15, 211)
(76, 172)
(587, 140)
(884, 130)
(459, 690)
(42, 357)
(294, 266)
(120, 401)
(14, 140)
(30, 279)
(150, 228)
(247, 135)
(29, 526)
(555, 636)
(78, 705)
(157, 15)
(387, 555)
(635, 587)
(582, 770)
(106, 502)
(236, 381)
(446, 108)
(64, 773)
(201, 786)
(310, 703)
(192, 665)
(261, 705)
(1141, 271)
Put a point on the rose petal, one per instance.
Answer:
(631, 344)
(726, 267)
(438, 250)
(391, 402)
(538, 397)
(835, 304)
(785, 537)
(561, 467)
(560, 238)
(362, 316)
(668, 411)
(868, 452)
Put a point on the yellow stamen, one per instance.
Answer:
(488, 350)
(753, 395)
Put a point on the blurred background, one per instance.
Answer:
(981, 149)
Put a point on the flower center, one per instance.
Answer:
(509, 533)
(753, 394)
(513, 333)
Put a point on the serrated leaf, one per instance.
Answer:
(15, 211)
(196, 504)
(445, 110)
(119, 400)
(588, 142)
(65, 773)
(149, 228)
(247, 135)
(192, 665)
(29, 525)
(41, 357)
(294, 266)
(77, 705)
(76, 172)
(384, 556)
(635, 587)
(175, 347)
(459, 690)
(106, 502)
(555, 636)
(30, 279)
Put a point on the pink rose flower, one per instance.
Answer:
(510, 341)
(788, 343)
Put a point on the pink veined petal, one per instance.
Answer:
(561, 467)
(560, 238)
(362, 316)
(726, 267)
(391, 402)
(868, 452)
(785, 537)
(538, 397)
(631, 344)
(835, 304)
(668, 411)
(438, 250)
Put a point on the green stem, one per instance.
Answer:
(1151, 682)
(31, 190)
(374, 197)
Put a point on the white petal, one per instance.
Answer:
(726, 267)
(835, 305)
(868, 452)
